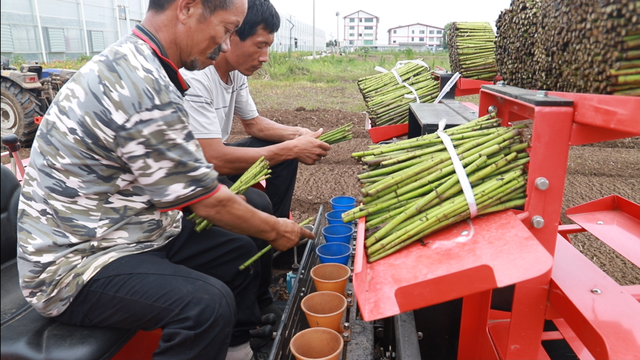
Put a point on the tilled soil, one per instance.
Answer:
(594, 171)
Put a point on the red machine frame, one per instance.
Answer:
(596, 316)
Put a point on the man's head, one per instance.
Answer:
(195, 31)
(250, 43)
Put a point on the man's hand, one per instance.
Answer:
(289, 235)
(308, 150)
(306, 132)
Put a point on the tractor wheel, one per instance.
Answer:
(30, 106)
(12, 118)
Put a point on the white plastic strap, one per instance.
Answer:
(380, 69)
(395, 73)
(415, 94)
(457, 165)
(447, 87)
(401, 63)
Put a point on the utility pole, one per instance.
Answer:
(290, 29)
(337, 33)
(314, 29)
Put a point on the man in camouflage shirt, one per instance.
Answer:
(102, 238)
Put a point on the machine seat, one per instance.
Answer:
(25, 333)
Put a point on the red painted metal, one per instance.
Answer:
(140, 347)
(500, 251)
(614, 220)
(605, 318)
(466, 87)
(388, 132)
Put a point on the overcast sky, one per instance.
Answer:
(392, 13)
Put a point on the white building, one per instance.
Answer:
(297, 33)
(416, 35)
(360, 28)
(45, 30)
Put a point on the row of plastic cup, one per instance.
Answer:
(325, 308)
(337, 235)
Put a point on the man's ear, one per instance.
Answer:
(187, 9)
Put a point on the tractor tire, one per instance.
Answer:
(30, 107)
(12, 118)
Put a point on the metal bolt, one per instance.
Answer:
(500, 83)
(302, 271)
(492, 109)
(596, 291)
(464, 233)
(541, 93)
(346, 326)
(345, 335)
(349, 293)
(600, 222)
(542, 183)
(303, 289)
(420, 335)
(350, 301)
(537, 222)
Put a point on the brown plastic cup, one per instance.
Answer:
(331, 277)
(324, 309)
(316, 344)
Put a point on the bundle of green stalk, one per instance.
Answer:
(385, 97)
(257, 172)
(343, 133)
(472, 50)
(410, 188)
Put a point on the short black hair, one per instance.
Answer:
(210, 6)
(259, 13)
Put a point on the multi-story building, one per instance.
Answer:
(417, 35)
(297, 33)
(360, 28)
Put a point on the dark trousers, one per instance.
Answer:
(282, 182)
(191, 288)
(259, 200)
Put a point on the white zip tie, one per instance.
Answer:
(457, 165)
(415, 94)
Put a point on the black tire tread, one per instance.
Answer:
(30, 109)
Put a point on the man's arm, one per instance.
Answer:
(233, 160)
(265, 129)
(230, 212)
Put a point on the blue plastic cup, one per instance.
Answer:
(343, 203)
(334, 217)
(338, 233)
(335, 252)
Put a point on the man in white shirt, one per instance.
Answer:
(218, 93)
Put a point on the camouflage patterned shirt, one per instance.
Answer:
(113, 162)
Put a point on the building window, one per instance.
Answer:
(7, 38)
(421, 32)
(368, 42)
(412, 39)
(368, 35)
(96, 39)
(350, 42)
(55, 40)
(394, 41)
(413, 32)
(368, 20)
(351, 34)
(352, 27)
(360, 19)
(439, 32)
(368, 27)
(421, 39)
(395, 31)
(360, 35)
(352, 20)
(431, 32)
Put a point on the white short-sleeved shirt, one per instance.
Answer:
(211, 103)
